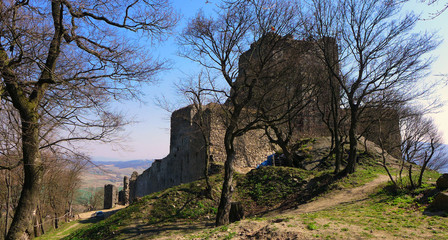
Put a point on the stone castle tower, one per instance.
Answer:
(286, 68)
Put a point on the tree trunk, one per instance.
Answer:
(400, 173)
(1, 221)
(337, 153)
(352, 157)
(42, 228)
(222, 218)
(337, 141)
(32, 166)
(289, 157)
(36, 225)
(56, 221)
(411, 181)
(425, 164)
(420, 177)
(208, 189)
(8, 200)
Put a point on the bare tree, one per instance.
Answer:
(333, 116)
(421, 143)
(291, 98)
(437, 12)
(92, 198)
(9, 160)
(199, 93)
(377, 51)
(62, 61)
(218, 42)
(61, 180)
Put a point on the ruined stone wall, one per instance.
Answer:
(186, 160)
(251, 149)
(110, 196)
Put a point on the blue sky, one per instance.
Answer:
(148, 138)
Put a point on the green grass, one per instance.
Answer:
(268, 188)
(396, 213)
(311, 226)
(65, 229)
(181, 202)
(260, 190)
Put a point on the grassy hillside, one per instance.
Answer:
(280, 203)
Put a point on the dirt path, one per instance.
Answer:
(67, 230)
(340, 197)
(107, 212)
(85, 216)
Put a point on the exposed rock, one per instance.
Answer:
(442, 182)
(440, 202)
(236, 212)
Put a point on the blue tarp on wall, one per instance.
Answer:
(268, 162)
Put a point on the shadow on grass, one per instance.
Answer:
(431, 212)
(155, 230)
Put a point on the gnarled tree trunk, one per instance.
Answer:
(32, 166)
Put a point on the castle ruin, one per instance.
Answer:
(186, 159)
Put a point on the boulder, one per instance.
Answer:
(236, 212)
(442, 182)
(440, 202)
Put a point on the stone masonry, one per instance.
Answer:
(132, 189)
(126, 190)
(186, 160)
(110, 196)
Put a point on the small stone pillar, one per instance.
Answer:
(110, 196)
(126, 190)
(132, 194)
(121, 200)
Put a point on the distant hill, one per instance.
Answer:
(126, 164)
(442, 158)
(444, 169)
(99, 173)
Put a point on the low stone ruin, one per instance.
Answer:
(110, 196)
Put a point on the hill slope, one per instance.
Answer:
(356, 207)
(282, 203)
